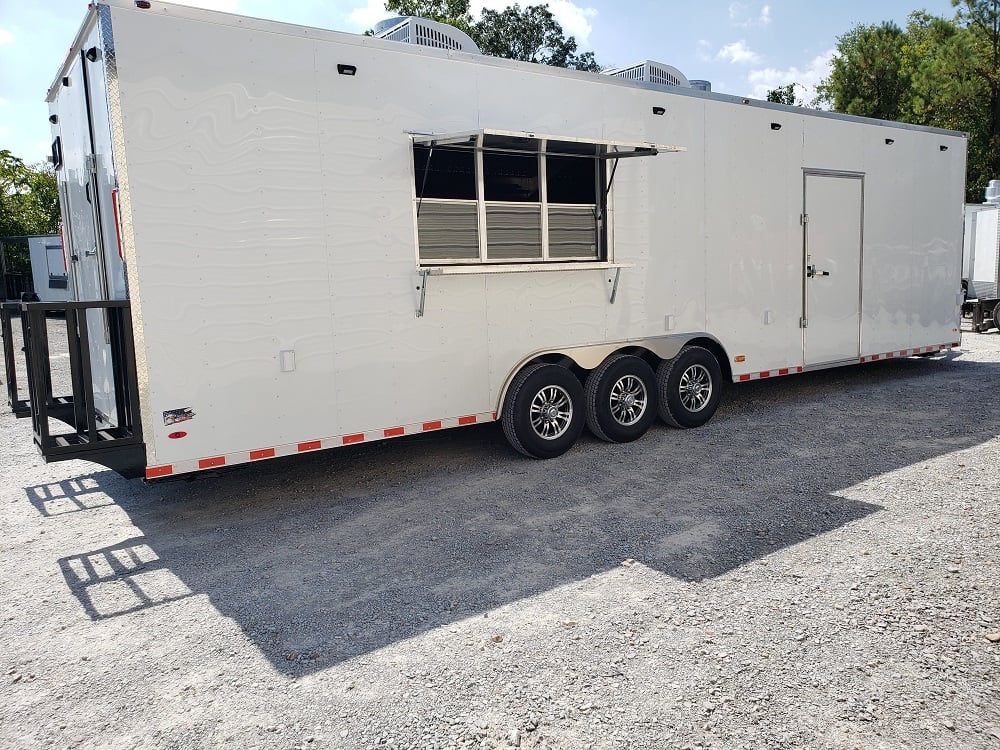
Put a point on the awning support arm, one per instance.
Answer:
(614, 288)
(616, 155)
(424, 273)
(611, 179)
(423, 184)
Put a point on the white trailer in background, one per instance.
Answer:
(49, 270)
(295, 239)
(981, 261)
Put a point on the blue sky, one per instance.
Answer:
(744, 48)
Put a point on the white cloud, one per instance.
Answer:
(704, 50)
(807, 78)
(4, 102)
(738, 53)
(574, 19)
(741, 15)
(368, 15)
(6, 37)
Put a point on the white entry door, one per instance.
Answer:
(83, 204)
(832, 267)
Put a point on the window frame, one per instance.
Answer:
(604, 151)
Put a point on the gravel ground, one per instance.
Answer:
(816, 568)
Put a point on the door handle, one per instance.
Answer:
(90, 253)
(811, 272)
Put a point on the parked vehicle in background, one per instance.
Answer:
(49, 269)
(981, 261)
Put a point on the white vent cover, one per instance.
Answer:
(650, 71)
(428, 33)
(993, 193)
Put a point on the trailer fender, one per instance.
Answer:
(590, 356)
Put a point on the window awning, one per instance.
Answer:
(540, 143)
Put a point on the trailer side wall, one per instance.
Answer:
(273, 206)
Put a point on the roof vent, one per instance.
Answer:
(425, 32)
(650, 71)
(993, 193)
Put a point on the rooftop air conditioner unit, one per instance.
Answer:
(650, 71)
(423, 31)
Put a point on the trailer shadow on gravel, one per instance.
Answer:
(325, 557)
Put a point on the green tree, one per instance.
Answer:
(785, 95)
(29, 198)
(947, 89)
(937, 72)
(453, 12)
(29, 204)
(867, 77)
(531, 34)
(981, 19)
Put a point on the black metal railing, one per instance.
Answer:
(18, 405)
(114, 440)
(17, 284)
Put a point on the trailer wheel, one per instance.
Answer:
(996, 316)
(621, 399)
(543, 414)
(690, 387)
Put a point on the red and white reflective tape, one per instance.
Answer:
(764, 374)
(291, 449)
(909, 352)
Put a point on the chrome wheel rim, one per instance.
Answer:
(628, 400)
(695, 388)
(551, 412)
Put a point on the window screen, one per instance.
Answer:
(445, 172)
(571, 179)
(510, 177)
(485, 201)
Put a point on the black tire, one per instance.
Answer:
(621, 399)
(690, 387)
(553, 389)
(996, 316)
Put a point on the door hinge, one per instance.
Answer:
(803, 322)
(91, 162)
(803, 219)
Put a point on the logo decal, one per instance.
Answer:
(177, 415)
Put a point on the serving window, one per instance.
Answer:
(497, 197)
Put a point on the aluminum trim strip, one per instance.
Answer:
(127, 237)
(746, 377)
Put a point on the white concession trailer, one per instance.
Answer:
(981, 263)
(288, 239)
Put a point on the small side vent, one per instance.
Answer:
(653, 72)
